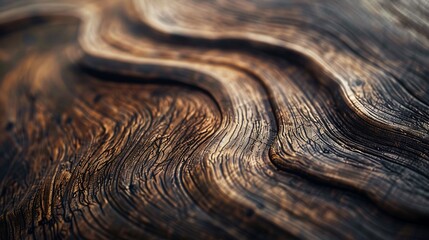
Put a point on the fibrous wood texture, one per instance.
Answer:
(214, 119)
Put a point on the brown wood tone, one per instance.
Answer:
(204, 119)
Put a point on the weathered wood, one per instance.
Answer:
(214, 119)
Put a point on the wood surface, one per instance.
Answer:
(204, 119)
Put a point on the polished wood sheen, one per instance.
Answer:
(204, 119)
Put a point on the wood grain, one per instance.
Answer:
(214, 119)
